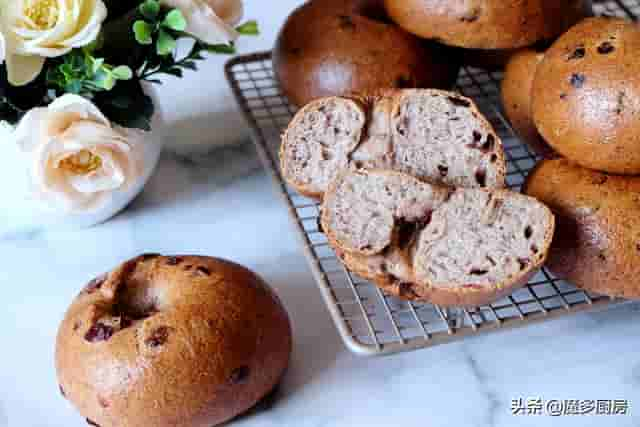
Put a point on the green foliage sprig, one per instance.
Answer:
(81, 73)
(141, 37)
(161, 29)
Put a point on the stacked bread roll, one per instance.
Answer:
(488, 30)
(583, 101)
(336, 47)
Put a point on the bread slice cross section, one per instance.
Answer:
(427, 242)
(437, 136)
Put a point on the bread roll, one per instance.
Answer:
(487, 24)
(339, 47)
(426, 242)
(586, 95)
(434, 135)
(516, 98)
(182, 341)
(597, 241)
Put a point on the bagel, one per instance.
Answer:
(183, 341)
(487, 24)
(516, 98)
(336, 47)
(586, 95)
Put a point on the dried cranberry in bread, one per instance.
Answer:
(586, 95)
(434, 135)
(597, 242)
(431, 243)
(516, 98)
(487, 24)
(338, 47)
(183, 341)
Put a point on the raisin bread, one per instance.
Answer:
(432, 243)
(434, 135)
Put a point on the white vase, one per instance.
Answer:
(21, 212)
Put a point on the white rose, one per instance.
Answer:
(212, 21)
(37, 29)
(77, 158)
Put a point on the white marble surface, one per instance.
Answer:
(223, 205)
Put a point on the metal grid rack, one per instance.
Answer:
(369, 321)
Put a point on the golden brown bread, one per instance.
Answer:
(486, 24)
(586, 95)
(338, 47)
(183, 341)
(597, 241)
(516, 98)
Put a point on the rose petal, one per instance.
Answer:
(84, 134)
(230, 11)
(92, 27)
(104, 180)
(23, 69)
(27, 134)
(202, 21)
(78, 104)
(49, 38)
(50, 183)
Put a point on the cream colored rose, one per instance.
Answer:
(39, 29)
(77, 158)
(212, 21)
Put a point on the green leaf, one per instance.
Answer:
(77, 63)
(165, 44)
(174, 72)
(190, 65)
(67, 71)
(104, 80)
(225, 49)
(122, 73)
(97, 64)
(73, 87)
(175, 20)
(249, 28)
(143, 32)
(150, 9)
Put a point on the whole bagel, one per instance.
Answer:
(487, 24)
(586, 95)
(183, 341)
(516, 98)
(336, 47)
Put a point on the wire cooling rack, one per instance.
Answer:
(369, 321)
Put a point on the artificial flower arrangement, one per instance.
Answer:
(72, 98)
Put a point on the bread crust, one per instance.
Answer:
(414, 289)
(336, 47)
(183, 341)
(516, 99)
(597, 242)
(387, 102)
(487, 24)
(586, 95)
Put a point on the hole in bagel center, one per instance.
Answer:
(136, 300)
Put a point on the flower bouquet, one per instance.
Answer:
(75, 119)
